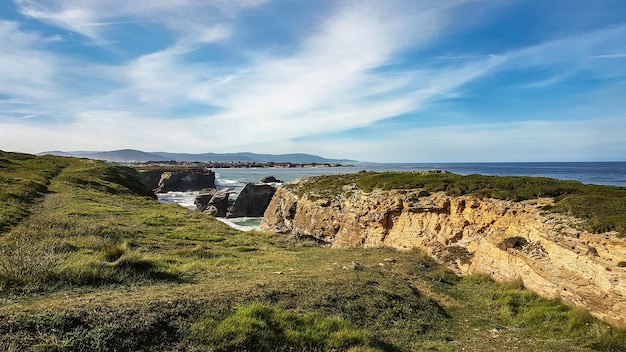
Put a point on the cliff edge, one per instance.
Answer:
(551, 253)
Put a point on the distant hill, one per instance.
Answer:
(123, 155)
(132, 155)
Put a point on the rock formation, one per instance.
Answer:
(252, 200)
(213, 201)
(151, 178)
(270, 179)
(506, 240)
(185, 180)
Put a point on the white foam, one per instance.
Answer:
(242, 224)
(184, 199)
(226, 182)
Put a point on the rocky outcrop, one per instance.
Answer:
(151, 178)
(213, 201)
(252, 200)
(270, 179)
(185, 180)
(550, 253)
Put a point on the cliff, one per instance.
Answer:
(163, 180)
(550, 253)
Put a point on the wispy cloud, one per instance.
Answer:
(330, 82)
(198, 76)
(569, 55)
(608, 56)
(540, 140)
(91, 17)
(28, 72)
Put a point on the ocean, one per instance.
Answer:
(602, 173)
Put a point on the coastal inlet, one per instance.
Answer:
(238, 204)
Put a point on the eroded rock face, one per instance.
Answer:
(252, 200)
(213, 201)
(556, 258)
(151, 178)
(185, 180)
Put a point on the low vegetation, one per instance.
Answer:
(261, 327)
(602, 207)
(91, 262)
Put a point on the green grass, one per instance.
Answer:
(602, 207)
(97, 264)
(24, 178)
(261, 327)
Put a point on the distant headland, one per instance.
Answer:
(243, 159)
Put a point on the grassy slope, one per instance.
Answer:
(90, 263)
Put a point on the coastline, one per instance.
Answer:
(178, 165)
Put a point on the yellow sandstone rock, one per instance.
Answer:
(554, 257)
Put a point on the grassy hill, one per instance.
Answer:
(90, 261)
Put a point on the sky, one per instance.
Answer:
(368, 80)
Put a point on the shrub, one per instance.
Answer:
(513, 242)
(454, 253)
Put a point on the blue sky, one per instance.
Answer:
(371, 80)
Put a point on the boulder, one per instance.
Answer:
(252, 201)
(185, 180)
(213, 201)
(202, 200)
(270, 179)
(218, 205)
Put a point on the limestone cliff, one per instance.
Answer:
(550, 253)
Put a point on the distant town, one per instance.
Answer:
(154, 165)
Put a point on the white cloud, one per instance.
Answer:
(336, 78)
(28, 72)
(332, 82)
(572, 54)
(348, 70)
(583, 140)
(608, 56)
(93, 18)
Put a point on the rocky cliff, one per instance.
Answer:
(163, 180)
(253, 200)
(549, 253)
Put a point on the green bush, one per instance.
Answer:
(259, 327)
(515, 242)
(454, 253)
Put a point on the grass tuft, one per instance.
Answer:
(260, 327)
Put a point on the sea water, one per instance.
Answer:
(605, 173)
(602, 173)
